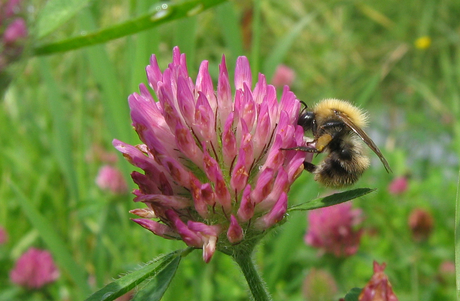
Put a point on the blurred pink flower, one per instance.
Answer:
(379, 287)
(447, 267)
(283, 76)
(214, 174)
(398, 186)
(9, 9)
(421, 224)
(333, 229)
(13, 32)
(319, 285)
(111, 179)
(3, 236)
(446, 272)
(34, 269)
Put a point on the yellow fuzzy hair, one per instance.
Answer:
(324, 110)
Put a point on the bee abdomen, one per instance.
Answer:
(338, 170)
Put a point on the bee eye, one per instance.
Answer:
(306, 120)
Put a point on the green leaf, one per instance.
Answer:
(161, 270)
(162, 13)
(55, 13)
(156, 288)
(353, 294)
(332, 199)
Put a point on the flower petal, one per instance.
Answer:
(234, 232)
(275, 215)
(156, 228)
(246, 209)
(224, 94)
(242, 73)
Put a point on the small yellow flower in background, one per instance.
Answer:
(423, 42)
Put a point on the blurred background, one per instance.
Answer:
(64, 188)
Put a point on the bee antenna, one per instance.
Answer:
(305, 107)
(303, 102)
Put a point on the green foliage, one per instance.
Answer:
(353, 294)
(55, 14)
(160, 275)
(62, 110)
(457, 238)
(331, 200)
(162, 13)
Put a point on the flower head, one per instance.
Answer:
(111, 179)
(399, 185)
(379, 287)
(215, 173)
(34, 269)
(423, 42)
(421, 224)
(283, 76)
(446, 272)
(13, 32)
(332, 229)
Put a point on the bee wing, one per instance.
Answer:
(358, 131)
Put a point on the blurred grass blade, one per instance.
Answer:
(142, 45)
(160, 14)
(291, 234)
(56, 245)
(281, 49)
(369, 90)
(256, 39)
(429, 96)
(375, 15)
(231, 31)
(62, 142)
(457, 238)
(161, 270)
(116, 110)
(332, 199)
(185, 38)
(55, 13)
(448, 76)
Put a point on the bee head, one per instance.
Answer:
(307, 120)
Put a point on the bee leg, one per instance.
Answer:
(310, 167)
(322, 142)
(307, 149)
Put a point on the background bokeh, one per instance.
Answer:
(398, 60)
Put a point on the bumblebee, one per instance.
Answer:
(336, 126)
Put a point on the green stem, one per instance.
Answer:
(162, 14)
(256, 284)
